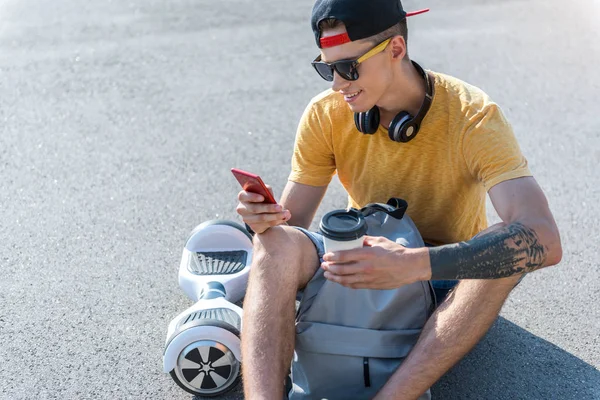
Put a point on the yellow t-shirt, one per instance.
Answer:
(463, 148)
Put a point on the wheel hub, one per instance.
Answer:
(207, 367)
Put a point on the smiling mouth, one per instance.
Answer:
(351, 96)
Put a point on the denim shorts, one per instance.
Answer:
(440, 288)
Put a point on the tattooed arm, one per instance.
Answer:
(527, 240)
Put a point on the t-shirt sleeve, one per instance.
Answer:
(491, 150)
(313, 161)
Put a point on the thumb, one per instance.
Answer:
(370, 240)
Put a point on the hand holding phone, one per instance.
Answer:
(253, 183)
(258, 215)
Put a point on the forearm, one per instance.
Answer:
(302, 201)
(501, 251)
(452, 331)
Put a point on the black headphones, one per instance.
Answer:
(404, 126)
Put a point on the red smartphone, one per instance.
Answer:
(252, 183)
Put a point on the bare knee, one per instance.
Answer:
(284, 253)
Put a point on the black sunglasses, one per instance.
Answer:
(347, 69)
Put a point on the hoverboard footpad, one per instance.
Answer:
(218, 262)
(219, 314)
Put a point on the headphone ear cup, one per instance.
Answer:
(409, 132)
(402, 128)
(367, 122)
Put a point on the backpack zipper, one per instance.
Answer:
(366, 372)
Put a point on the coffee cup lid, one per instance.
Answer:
(343, 225)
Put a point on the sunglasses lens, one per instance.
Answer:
(346, 70)
(324, 70)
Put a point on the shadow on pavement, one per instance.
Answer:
(511, 363)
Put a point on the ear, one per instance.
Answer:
(398, 46)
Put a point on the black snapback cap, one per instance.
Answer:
(362, 18)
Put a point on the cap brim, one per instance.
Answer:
(410, 14)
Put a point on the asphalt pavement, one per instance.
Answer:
(120, 120)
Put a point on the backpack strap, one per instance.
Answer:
(395, 208)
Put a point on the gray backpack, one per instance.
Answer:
(349, 342)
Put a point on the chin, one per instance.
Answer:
(358, 108)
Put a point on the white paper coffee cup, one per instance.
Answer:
(336, 245)
(343, 230)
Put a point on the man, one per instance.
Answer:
(443, 164)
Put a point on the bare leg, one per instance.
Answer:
(453, 330)
(284, 260)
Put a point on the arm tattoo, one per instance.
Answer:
(511, 250)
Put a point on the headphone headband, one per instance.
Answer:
(428, 94)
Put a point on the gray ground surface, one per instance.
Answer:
(119, 121)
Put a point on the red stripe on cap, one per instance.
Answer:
(335, 40)
(410, 14)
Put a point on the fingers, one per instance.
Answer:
(261, 226)
(252, 203)
(260, 208)
(356, 268)
(356, 281)
(371, 240)
(364, 253)
(358, 277)
(266, 218)
(249, 197)
(261, 222)
(258, 215)
(262, 212)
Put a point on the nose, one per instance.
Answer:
(339, 83)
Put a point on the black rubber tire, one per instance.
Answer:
(233, 385)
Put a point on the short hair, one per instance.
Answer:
(329, 23)
(400, 28)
